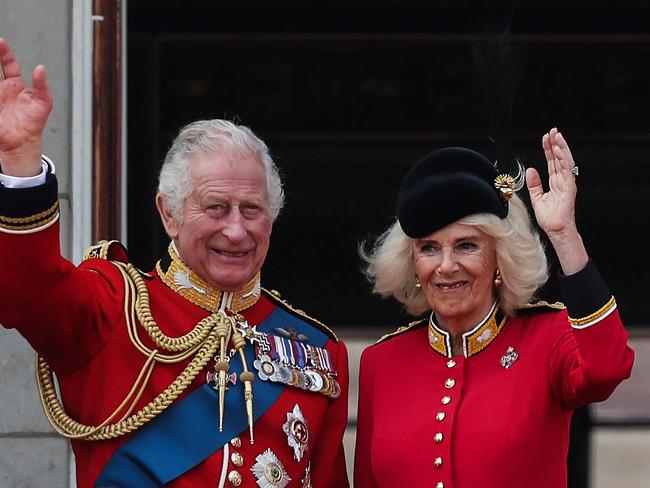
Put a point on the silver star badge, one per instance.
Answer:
(269, 471)
(297, 433)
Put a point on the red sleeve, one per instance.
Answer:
(587, 364)
(592, 355)
(363, 474)
(328, 469)
(66, 313)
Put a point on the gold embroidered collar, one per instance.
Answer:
(475, 340)
(180, 278)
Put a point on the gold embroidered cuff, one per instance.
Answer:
(31, 223)
(593, 318)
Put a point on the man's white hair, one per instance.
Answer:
(202, 137)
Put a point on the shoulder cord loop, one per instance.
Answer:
(202, 341)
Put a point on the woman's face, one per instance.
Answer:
(456, 266)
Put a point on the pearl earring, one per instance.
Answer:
(497, 278)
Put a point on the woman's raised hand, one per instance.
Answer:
(555, 208)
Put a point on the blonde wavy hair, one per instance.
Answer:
(521, 260)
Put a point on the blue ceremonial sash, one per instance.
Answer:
(187, 432)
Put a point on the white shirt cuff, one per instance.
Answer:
(28, 181)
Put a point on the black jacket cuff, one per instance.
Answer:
(584, 292)
(28, 209)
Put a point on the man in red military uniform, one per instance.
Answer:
(192, 374)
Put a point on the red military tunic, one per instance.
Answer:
(499, 415)
(75, 318)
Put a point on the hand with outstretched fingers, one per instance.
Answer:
(555, 208)
(23, 114)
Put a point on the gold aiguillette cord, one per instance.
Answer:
(225, 327)
(224, 324)
(246, 378)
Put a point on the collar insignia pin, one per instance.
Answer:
(432, 338)
(256, 291)
(484, 336)
(183, 282)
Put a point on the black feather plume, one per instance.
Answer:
(499, 71)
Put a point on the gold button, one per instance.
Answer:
(440, 416)
(437, 462)
(450, 382)
(438, 437)
(237, 459)
(235, 442)
(445, 400)
(451, 363)
(234, 478)
(440, 484)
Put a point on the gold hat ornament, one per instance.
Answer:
(506, 184)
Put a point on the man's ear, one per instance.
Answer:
(170, 223)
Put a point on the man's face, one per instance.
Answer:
(226, 227)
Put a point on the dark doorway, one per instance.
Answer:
(348, 95)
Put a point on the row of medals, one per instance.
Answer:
(277, 365)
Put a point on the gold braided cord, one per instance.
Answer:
(594, 316)
(131, 322)
(32, 218)
(193, 338)
(70, 428)
(38, 224)
(63, 423)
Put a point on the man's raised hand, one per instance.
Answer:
(23, 115)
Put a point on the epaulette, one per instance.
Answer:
(541, 306)
(401, 330)
(274, 295)
(109, 250)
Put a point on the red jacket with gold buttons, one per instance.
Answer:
(76, 318)
(499, 415)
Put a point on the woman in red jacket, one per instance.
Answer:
(481, 393)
